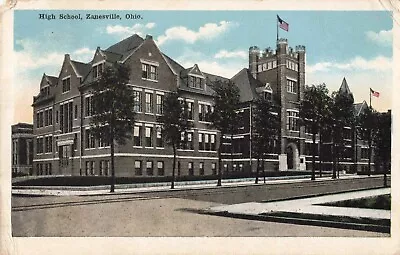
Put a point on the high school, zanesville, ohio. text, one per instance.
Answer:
(88, 16)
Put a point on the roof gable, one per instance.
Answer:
(344, 88)
(195, 70)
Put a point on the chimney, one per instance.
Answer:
(149, 37)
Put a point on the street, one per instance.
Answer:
(171, 213)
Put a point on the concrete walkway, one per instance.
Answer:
(312, 206)
(127, 188)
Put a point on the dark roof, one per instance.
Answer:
(175, 65)
(52, 79)
(112, 56)
(247, 85)
(82, 68)
(344, 88)
(126, 46)
(358, 107)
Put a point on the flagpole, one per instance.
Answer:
(370, 106)
(277, 29)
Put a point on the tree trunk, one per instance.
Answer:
(313, 156)
(258, 168)
(369, 152)
(385, 174)
(263, 168)
(173, 167)
(219, 182)
(333, 160)
(319, 154)
(112, 166)
(112, 189)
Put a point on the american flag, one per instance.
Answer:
(283, 24)
(374, 93)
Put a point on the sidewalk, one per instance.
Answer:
(155, 187)
(311, 211)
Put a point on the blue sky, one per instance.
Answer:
(354, 44)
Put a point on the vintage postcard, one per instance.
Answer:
(233, 127)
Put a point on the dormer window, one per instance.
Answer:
(45, 91)
(268, 95)
(196, 82)
(66, 84)
(97, 70)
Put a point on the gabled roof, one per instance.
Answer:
(358, 107)
(82, 69)
(126, 46)
(246, 84)
(344, 88)
(51, 79)
(111, 56)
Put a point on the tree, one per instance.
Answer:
(383, 141)
(224, 116)
(342, 116)
(113, 114)
(367, 131)
(265, 129)
(175, 122)
(313, 111)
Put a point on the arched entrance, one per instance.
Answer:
(292, 156)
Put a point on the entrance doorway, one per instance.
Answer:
(292, 156)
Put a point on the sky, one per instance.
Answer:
(352, 44)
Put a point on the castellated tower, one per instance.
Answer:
(284, 70)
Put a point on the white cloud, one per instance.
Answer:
(83, 54)
(231, 54)
(29, 58)
(383, 37)
(209, 65)
(125, 31)
(206, 32)
(379, 63)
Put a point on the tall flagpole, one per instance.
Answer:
(370, 105)
(277, 29)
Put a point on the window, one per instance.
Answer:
(159, 139)
(89, 169)
(214, 168)
(201, 142)
(259, 68)
(274, 64)
(269, 65)
(39, 145)
(57, 117)
(213, 146)
(160, 168)
(292, 120)
(137, 134)
(104, 167)
(160, 99)
(149, 103)
(196, 82)
(149, 72)
(264, 67)
(241, 167)
(190, 110)
(138, 167)
(204, 112)
(97, 70)
(364, 153)
(76, 111)
(66, 85)
(207, 142)
(75, 145)
(291, 86)
(50, 116)
(88, 106)
(66, 117)
(186, 141)
(48, 144)
(137, 100)
(190, 168)
(149, 137)
(90, 140)
(149, 168)
(267, 95)
(46, 118)
(201, 168)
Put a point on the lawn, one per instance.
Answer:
(377, 202)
